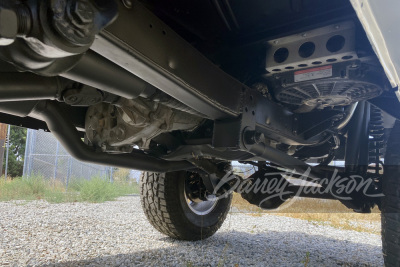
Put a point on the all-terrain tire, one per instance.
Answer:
(391, 200)
(164, 203)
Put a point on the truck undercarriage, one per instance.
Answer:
(190, 86)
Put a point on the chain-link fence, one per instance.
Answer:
(46, 157)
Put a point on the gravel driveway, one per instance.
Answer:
(117, 233)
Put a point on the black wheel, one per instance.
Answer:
(391, 200)
(171, 209)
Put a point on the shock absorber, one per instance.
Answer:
(376, 139)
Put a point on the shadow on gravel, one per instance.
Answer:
(234, 248)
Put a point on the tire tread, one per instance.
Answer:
(391, 200)
(161, 206)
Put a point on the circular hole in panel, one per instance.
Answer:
(307, 49)
(281, 55)
(335, 43)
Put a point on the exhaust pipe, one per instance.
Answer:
(64, 130)
(66, 133)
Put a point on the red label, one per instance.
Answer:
(313, 69)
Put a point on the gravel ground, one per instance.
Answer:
(373, 226)
(117, 233)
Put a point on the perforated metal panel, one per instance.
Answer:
(330, 44)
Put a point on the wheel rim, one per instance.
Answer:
(201, 207)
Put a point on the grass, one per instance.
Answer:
(306, 260)
(36, 187)
(97, 189)
(320, 212)
(100, 190)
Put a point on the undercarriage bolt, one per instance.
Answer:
(75, 20)
(82, 12)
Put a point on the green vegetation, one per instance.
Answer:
(17, 151)
(36, 187)
(100, 190)
(306, 260)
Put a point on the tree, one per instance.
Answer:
(3, 136)
(16, 152)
